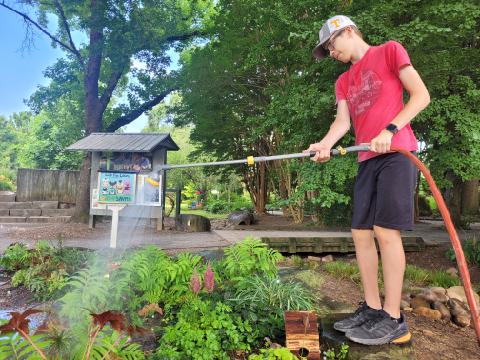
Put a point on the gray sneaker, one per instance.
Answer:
(362, 314)
(380, 330)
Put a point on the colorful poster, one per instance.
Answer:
(138, 162)
(116, 187)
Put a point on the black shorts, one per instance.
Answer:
(384, 191)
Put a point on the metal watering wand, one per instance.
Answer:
(457, 247)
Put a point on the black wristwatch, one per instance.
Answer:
(392, 128)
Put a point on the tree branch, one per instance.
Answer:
(31, 21)
(181, 37)
(107, 93)
(67, 29)
(135, 113)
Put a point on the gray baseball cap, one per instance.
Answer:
(335, 23)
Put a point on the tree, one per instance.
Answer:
(118, 33)
(254, 88)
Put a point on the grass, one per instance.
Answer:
(414, 275)
(185, 210)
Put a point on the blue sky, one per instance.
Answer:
(21, 71)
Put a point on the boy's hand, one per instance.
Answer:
(381, 143)
(322, 152)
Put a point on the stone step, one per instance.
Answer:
(4, 212)
(45, 204)
(57, 212)
(12, 219)
(48, 219)
(25, 212)
(16, 205)
(7, 196)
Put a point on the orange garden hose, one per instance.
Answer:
(457, 246)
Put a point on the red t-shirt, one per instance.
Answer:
(374, 95)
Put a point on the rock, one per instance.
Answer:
(458, 292)
(327, 259)
(443, 310)
(439, 290)
(243, 217)
(428, 313)
(452, 271)
(427, 332)
(314, 258)
(192, 223)
(406, 297)
(459, 311)
(433, 296)
(419, 301)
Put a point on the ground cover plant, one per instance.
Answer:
(187, 306)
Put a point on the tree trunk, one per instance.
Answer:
(470, 197)
(453, 198)
(82, 204)
(93, 108)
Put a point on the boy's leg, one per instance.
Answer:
(393, 265)
(367, 259)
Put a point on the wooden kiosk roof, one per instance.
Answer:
(129, 142)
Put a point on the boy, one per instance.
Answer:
(371, 94)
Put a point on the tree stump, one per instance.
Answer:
(192, 223)
(243, 217)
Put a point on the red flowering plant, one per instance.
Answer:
(117, 322)
(208, 280)
(19, 322)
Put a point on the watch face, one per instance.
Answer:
(392, 127)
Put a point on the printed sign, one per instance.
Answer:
(116, 187)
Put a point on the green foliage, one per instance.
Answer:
(262, 301)
(15, 257)
(224, 207)
(13, 346)
(343, 270)
(158, 279)
(115, 346)
(416, 276)
(249, 257)
(342, 353)
(43, 270)
(205, 330)
(6, 183)
(471, 250)
(273, 354)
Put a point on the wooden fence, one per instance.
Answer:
(47, 185)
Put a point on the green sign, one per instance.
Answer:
(116, 187)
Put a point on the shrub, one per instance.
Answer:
(262, 301)
(205, 330)
(471, 250)
(251, 256)
(16, 257)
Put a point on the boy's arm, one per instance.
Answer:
(419, 99)
(338, 129)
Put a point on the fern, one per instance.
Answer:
(248, 257)
(116, 346)
(13, 346)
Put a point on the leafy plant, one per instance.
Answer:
(262, 301)
(273, 354)
(25, 345)
(342, 353)
(15, 257)
(471, 250)
(205, 330)
(249, 257)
